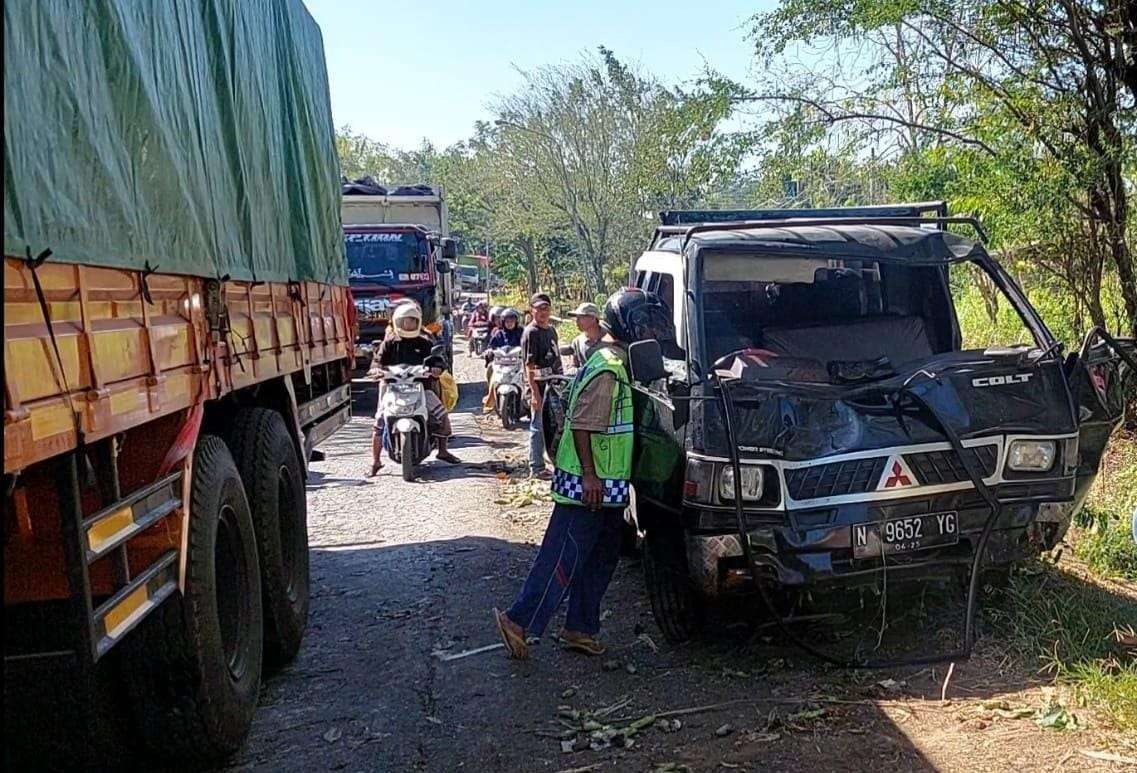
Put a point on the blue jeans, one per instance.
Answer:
(536, 443)
(577, 557)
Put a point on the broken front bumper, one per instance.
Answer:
(816, 546)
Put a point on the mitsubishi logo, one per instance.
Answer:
(896, 474)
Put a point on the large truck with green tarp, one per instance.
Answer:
(177, 340)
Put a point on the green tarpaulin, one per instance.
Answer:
(195, 135)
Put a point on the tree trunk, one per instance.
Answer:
(599, 286)
(990, 295)
(530, 253)
(1123, 259)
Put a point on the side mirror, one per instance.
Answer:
(449, 249)
(566, 351)
(645, 360)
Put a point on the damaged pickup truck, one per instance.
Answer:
(828, 422)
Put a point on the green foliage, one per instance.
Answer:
(1107, 545)
(1064, 625)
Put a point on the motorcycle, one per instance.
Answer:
(508, 385)
(403, 400)
(479, 338)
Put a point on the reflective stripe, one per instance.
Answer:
(571, 486)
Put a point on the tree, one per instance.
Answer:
(1015, 86)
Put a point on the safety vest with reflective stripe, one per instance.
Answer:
(611, 449)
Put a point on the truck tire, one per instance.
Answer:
(675, 604)
(193, 668)
(274, 483)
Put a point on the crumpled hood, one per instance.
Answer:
(977, 394)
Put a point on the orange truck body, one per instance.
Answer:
(140, 354)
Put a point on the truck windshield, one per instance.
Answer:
(386, 258)
(823, 310)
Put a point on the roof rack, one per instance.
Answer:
(687, 231)
(937, 208)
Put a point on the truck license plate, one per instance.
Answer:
(903, 535)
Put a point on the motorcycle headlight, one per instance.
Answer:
(751, 483)
(1031, 455)
(404, 389)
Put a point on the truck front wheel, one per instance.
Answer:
(675, 604)
(274, 483)
(193, 667)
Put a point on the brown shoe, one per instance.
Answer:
(580, 642)
(511, 636)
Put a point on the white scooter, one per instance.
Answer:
(508, 385)
(403, 400)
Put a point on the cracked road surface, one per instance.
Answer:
(401, 570)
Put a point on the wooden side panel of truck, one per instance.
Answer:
(126, 368)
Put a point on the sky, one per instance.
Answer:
(401, 71)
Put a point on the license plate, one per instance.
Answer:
(903, 535)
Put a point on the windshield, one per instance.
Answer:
(386, 258)
(814, 312)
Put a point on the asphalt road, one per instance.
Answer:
(404, 571)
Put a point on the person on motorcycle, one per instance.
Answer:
(508, 335)
(508, 332)
(481, 313)
(410, 346)
(495, 319)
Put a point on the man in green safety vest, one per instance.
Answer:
(591, 485)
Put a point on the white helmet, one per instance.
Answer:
(407, 320)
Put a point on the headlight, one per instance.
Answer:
(751, 483)
(1031, 455)
(404, 389)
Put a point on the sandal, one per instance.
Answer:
(514, 643)
(375, 468)
(448, 457)
(580, 642)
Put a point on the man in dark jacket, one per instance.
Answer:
(410, 346)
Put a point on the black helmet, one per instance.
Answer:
(633, 314)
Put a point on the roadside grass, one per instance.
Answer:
(1074, 630)
(1104, 538)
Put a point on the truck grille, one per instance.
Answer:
(837, 479)
(859, 476)
(934, 467)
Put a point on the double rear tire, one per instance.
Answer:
(274, 480)
(193, 668)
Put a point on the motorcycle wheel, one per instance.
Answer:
(507, 409)
(406, 459)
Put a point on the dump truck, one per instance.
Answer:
(398, 249)
(177, 340)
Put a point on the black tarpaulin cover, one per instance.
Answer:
(196, 136)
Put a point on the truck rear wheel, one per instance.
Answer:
(274, 484)
(193, 668)
(676, 606)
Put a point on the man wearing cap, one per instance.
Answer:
(542, 358)
(588, 323)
